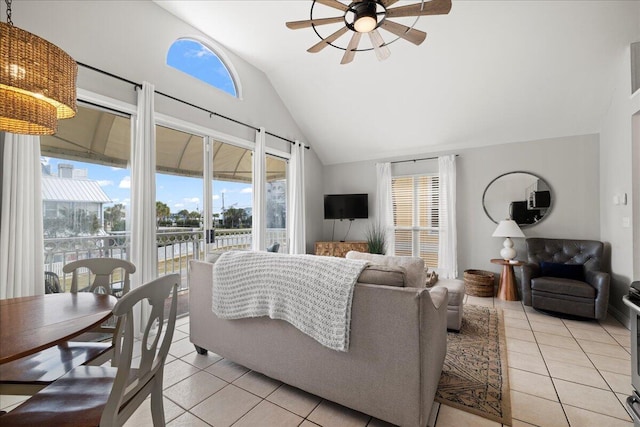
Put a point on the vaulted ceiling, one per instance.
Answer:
(489, 72)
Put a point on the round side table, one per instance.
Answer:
(507, 288)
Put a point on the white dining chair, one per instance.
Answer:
(103, 269)
(31, 373)
(105, 396)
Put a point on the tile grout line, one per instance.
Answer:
(547, 368)
(600, 373)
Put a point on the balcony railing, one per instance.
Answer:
(175, 249)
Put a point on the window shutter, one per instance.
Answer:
(416, 201)
(402, 193)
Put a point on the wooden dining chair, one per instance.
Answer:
(30, 374)
(100, 396)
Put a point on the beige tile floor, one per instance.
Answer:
(561, 372)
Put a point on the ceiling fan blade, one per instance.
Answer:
(382, 51)
(410, 34)
(433, 7)
(387, 3)
(325, 42)
(296, 25)
(350, 53)
(334, 4)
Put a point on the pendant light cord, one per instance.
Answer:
(9, 20)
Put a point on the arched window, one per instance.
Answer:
(194, 58)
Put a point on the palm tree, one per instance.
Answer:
(162, 212)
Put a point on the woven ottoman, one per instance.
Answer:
(455, 288)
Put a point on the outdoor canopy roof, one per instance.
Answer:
(98, 136)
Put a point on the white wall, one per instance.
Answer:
(131, 38)
(635, 198)
(617, 169)
(569, 165)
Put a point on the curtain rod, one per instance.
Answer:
(417, 160)
(211, 113)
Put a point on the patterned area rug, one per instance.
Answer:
(475, 374)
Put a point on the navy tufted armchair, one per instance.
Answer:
(564, 276)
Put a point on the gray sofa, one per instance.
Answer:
(391, 371)
(415, 276)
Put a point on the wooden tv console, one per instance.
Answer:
(340, 249)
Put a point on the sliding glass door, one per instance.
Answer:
(276, 195)
(232, 213)
(179, 200)
(86, 190)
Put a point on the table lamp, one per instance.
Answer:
(508, 228)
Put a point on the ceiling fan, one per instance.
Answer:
(366, 16)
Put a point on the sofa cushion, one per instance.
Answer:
(383, 275)
(212, 257)
(564, 271)
(413, 265)
(559, 286)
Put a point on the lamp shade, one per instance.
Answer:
(508, 228)
(37, 83)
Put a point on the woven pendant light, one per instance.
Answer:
(37, 82)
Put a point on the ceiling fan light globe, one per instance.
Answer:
(365, 24)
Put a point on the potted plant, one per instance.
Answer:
(376, 238)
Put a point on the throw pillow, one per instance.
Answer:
(562, 271)
(432, 278)
(383, 275)
(413, 265)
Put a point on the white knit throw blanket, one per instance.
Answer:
(312, 293)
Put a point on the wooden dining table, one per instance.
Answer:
(31, 324)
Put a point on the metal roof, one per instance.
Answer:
(72, 190)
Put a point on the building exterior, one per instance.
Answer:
(71, 203)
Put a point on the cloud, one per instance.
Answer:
(105, 183)
(216, 197)
(192, 199)
(179, 205)
(125, 183)
(246, 190)
(198, 53)
(203, 52)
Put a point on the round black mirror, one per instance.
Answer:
(521, 196)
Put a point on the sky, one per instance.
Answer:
(177, 192)
(193, 58)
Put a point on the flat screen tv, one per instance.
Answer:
(346, 206)
(521, 214)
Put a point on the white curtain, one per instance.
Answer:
(296, 215)
(448, 248)
(385, 205)
(259, 229)
(144, 252)
(21, 229)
